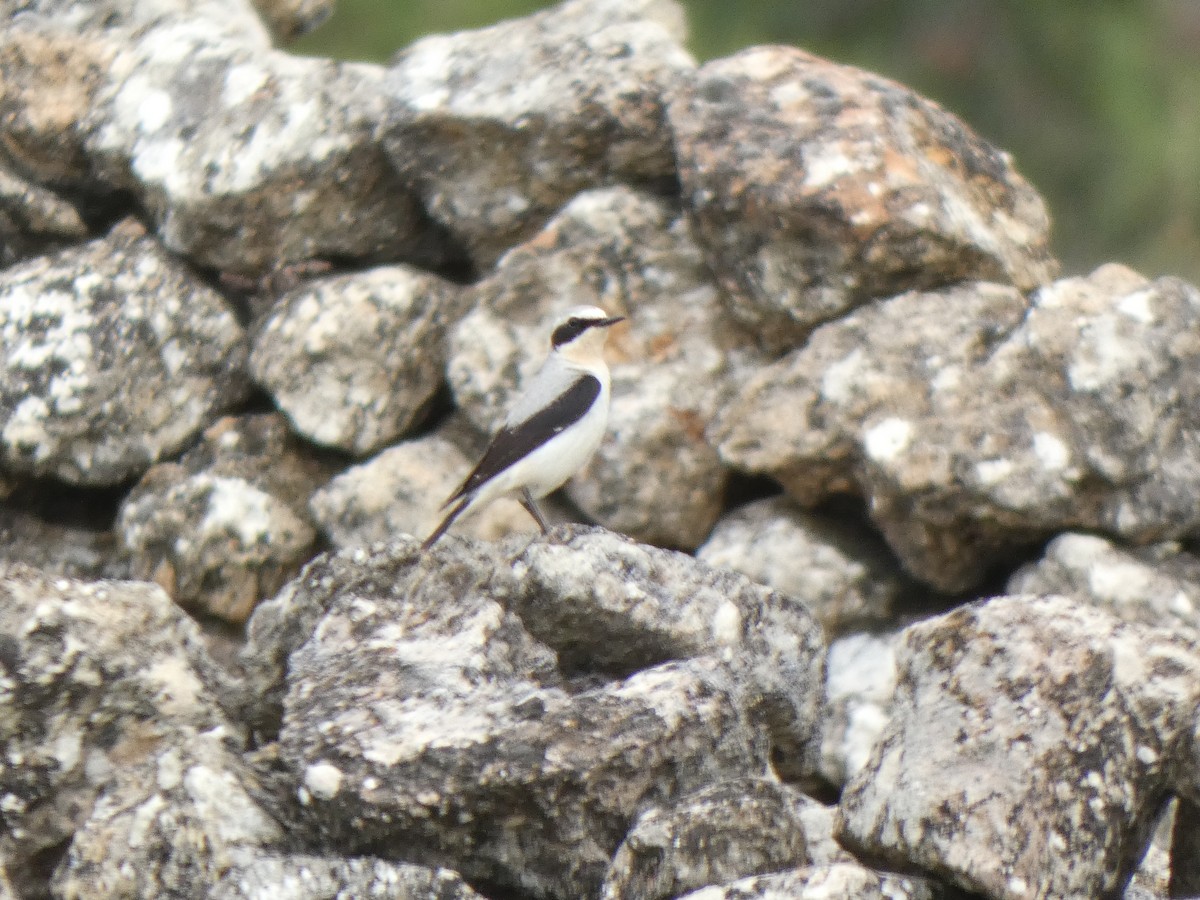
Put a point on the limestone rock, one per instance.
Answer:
(112, 356)
(842, 879)
(720, 833)
(354, 360)
(655, 477)
(1097, 716)
(500, 127)
(976, 421)
(301, 877)
(400, 492)
(97, 678)
(843, 574)
(228, 524)
(816, 187)
(1155, 585)
(860, 683)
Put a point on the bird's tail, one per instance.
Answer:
(446, 522)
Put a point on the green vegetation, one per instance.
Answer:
(1098, 102)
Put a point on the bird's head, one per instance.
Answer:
(579, 334)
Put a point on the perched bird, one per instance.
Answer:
(554, 427)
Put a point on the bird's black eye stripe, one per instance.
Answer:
(569, 330)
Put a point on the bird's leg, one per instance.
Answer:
(527, 502)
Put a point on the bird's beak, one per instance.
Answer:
(604, 323)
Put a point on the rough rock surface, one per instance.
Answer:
(299, 877)
(842, 879)
(354, 360)
(975, 420)
(58, 548)
(228, 524)
(500, 127)
(843, 574)
(1154, 585)
(482, 759)
(655, 476)
(96, 677)
(1098, 715)
(33, 219)
(721, 833)
(400, 492)
(112, 356)
(606, 603)
(817, 187)
(860, 682)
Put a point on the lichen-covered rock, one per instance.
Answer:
(228, 524)
(354, 360)
(655, 477)
(499, 127)
(170, 825)
(425, 714)
(33, 219)
(730, 830)
(1097, 716)
(96, 678)
(301, 877)
(816, 187)
(975, 420)
(401, 491)
(1154, 585)
(607, 603)
(112, 356)
(860, 681)
(840, 879)
(842, 573)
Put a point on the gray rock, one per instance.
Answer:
(228, 524)
(727, 831)
(843, 574)
(112, 356)
(655, 476)
(976, 421)
(419, 710)
(33, 220)
(817, 186)
(96, 678)
(300, 877)
(400, 492)
(607, 603)
(354, 360)
(842, 879)
(169, 826)
(1032, 742)
(1155, 585)
(58, 548)
(860, 682)
(499, 127)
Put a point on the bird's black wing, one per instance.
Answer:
(512, 443)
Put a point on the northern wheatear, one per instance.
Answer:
(554, 427)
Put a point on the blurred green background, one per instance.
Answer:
(1098, 101)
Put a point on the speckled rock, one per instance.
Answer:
(169, 826)
(976, 421)
(860, 682)
(607, 603)
(33, 220)
(655, 477)
(1154, 585)
(817, 186)
(299, 877)
(720, 833)
(1098, 716)
(97, 677)
(843, 573)
(499, 127)
(425, 714)
(841, 879)
(354, 360)
(228, 524)
(112, 356)
(400, 492)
